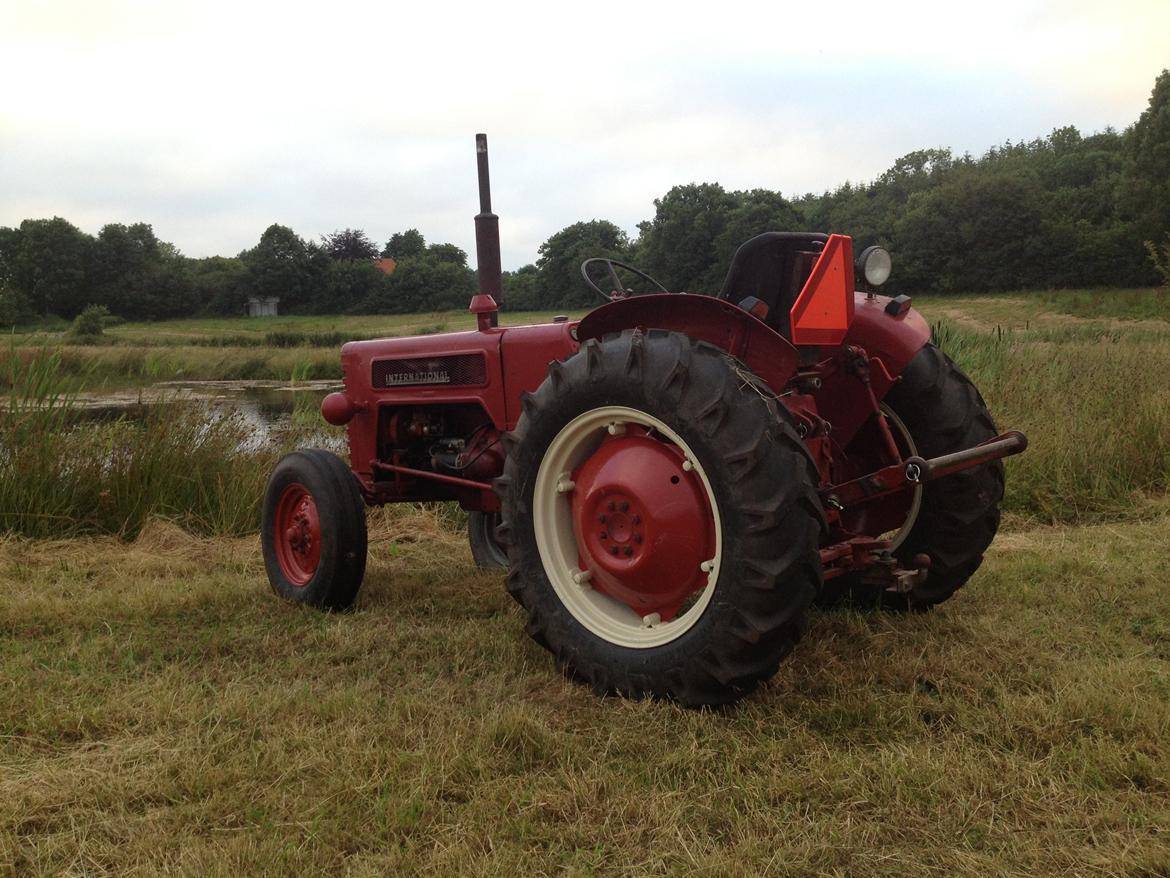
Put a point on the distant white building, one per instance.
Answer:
(262, 306)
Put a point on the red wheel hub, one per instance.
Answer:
(643, 524)
(297, 534)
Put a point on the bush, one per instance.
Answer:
(14, 307)
(90, 323)
(1160, 256)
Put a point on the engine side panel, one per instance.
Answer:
(358, 362)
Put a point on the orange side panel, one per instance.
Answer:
(823, 311)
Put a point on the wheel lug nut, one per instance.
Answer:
(602, 519)
(629, 551)
(625, 507)
(613, 550)
(605, 535)
(637, 519)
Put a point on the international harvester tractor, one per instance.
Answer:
(673, 479)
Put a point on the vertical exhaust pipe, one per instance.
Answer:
(487, 231)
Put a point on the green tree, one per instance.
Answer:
(349, 244)
(47, 262)
(522, 289)
(1160, 258)
(404, 245)
(679, 245)
(220, 284)
(348, 285)
(447, 253)
(559, 262)
(755, 211)
(282, 264)
(89, 325)
(976, 232)
(138, 276)
(1147, 189)
(422, 284)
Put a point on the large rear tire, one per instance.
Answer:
(958, 516)
(661, 520)
(313, 530)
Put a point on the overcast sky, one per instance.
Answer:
(211, 120)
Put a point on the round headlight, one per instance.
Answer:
(874, 265)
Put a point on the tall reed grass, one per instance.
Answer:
(1094, 401)
(118, 366)
(60, 475)
(1095, 404)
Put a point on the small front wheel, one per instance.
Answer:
(313, 530)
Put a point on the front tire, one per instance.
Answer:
(313, 530)
(661, 520)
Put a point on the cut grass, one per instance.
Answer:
(161, 711)
(1052, 306)
(164, 712)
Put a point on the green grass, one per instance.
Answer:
(257, 348)
(1051, 306)
(162, 711)
(62, 475)
(304, 328)
(1090, 393)
(166, 713)
(1092, 396)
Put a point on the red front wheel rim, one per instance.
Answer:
(297, 534)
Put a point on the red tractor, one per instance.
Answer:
(673, 479)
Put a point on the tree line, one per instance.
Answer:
(51, 268)
(1066, 210)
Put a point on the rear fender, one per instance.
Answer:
(890, 341)
(714, 321)
(893, 338)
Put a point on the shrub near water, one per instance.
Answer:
(62, 477)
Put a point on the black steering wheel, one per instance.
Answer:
(618, 291)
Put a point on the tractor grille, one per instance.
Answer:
(459, 369)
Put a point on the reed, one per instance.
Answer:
(1095, 405)
(63, 476)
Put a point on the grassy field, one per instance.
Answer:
(233, 348)
(162, 711)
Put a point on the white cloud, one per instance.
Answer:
(213, 119)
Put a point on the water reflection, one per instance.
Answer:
(265, 408)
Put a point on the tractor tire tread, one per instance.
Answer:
(698, 389)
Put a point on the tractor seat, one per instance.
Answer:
(773, 267)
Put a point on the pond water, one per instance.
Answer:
(264, 407)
